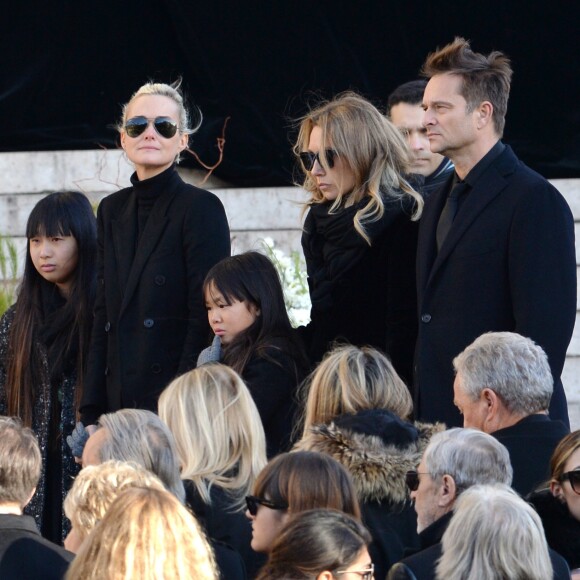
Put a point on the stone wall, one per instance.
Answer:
(253, 213)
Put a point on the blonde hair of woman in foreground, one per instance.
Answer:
(146, 534)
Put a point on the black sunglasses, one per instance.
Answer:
(309, 158)
(165, 126)
(574, 478)
(412, 479)
(253, 502)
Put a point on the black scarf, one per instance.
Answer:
(332, 246)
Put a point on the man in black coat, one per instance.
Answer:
(496, 242)
(24, 553)
(503, 387)
(454, 461)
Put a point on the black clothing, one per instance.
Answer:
(273, 380)
(434, 181)
(377, 449)
(223, 524)
(561, 528)
(507, 264)
(26, 555)
(530, 443)
(53, 419)
(150, 318)
(346, 276)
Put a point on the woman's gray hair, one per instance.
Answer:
(512, 366)
(471, 457)
(140, 436)
(494, 534)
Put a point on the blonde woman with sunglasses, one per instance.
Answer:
(157, 239)
(559, 505)
(360, 232)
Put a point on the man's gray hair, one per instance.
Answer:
(512, 366)
(20, 461)
(471, 457)
(140, 436)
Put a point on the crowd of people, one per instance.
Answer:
(417, 427)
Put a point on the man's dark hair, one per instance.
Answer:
(485, 78)
(411, 93)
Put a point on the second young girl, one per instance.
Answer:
(246, 311)
(44, 342)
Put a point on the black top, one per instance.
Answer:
(26, 555)
(530, 443)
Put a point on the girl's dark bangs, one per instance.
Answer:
(48, 220)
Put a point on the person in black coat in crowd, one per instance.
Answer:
(360, 234)
(503, 386)
(559, 506)
(498, 254)
(356, 410)
(156, 242)
(44, 343)
(253, 335)
(24, 553)
(220, 443)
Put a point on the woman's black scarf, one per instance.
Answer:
(332, 246)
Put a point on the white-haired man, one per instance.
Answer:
(454, 461)
(503, 387)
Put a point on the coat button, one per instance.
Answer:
(426, 318)
(107, 327)
(156, 368)
(148, 322)
(160, 280)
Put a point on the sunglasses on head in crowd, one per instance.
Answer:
(164, 126)
(309, 158)
(252, 502)
(574, 478)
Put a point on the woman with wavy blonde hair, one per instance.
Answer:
(357, 410)
(359, 240)
(145, 534)
(94, 490)
(221, 447)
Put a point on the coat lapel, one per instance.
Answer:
(488, 187)
(124, 231)
(427, 234)
(155, 226)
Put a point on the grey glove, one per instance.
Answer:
(77, 439)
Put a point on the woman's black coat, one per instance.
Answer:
(150, 319)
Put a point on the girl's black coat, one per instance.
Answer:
(150, 319)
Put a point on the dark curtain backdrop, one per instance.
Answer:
(68, 66)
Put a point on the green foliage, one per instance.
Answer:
(8, 273)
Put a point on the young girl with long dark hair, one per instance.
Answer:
(246, 311)
(44, 341)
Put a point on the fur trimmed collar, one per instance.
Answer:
(376, 464)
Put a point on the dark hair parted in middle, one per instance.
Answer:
(313, 542)
(306, 480)
(252, 278)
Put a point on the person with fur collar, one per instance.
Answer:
(357, 411)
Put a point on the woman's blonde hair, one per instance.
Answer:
(373, 148)
(145, 534)
(97, 486)
(351, 379)
(217, 429)
(562, 453)
(494, 534)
